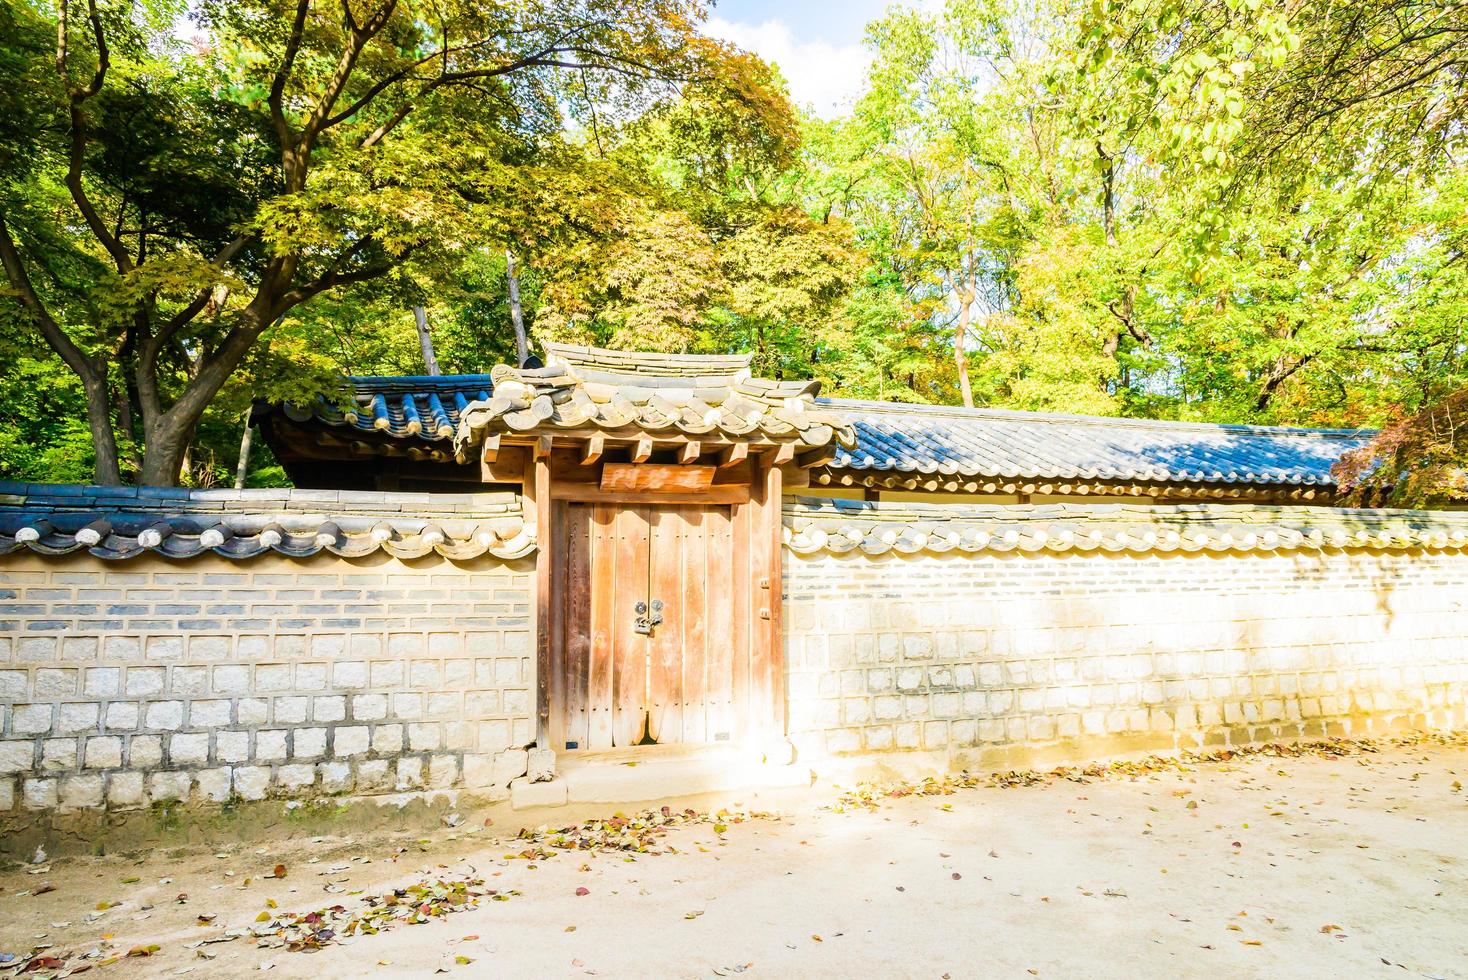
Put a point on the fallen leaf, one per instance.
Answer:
(147, 950)
(583, 890)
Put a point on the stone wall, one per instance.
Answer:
(986, 657)
(130, 683)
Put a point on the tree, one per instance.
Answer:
(162, 207)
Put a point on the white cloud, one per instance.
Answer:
(821, 75)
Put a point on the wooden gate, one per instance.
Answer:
(651, 650)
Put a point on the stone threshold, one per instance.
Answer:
(646, 774)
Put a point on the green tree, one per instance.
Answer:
(164, 204)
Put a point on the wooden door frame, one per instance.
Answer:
(755, 494)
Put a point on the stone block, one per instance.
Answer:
(56, 682)
(79, 648)
(232, 679)
(214, 785)
(37, 649)
(273, 677)
(145, 752)
(308, 743)
(208, 648)
(329, 708)
(190, 749)
(295, 777)
(540, 765)
(59, 754)
(387, 739)
(423, 674)
(125, 790)
(189, 681)
(163, 648)
(102, 682)
(443, 771)
(336, 777)
(122, 647)
(350, 740)
(292, 710)
(81, 792)
(14, 685)
(495, 736)
(328, 645)
(270, 746)
(17, 756)
(424, 737)
(310, 677)
(407, 706)
(7, 794)
(232, 746)
(369, 707)
(213, 714)
(410, 773)
(165, 787)
(103, 752)
(252, 711)
(252, 782)
(38, 793)
(164, 716)
(349, 674)
(387, 674)
(373, 775)
(526, 793)
(907, 735)
(30, 719)
(78, 717)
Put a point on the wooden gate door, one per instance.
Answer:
(648, 646)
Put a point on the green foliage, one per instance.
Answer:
(1222, 210)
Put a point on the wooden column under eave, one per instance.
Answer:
(538, 502)
(774, 504)
(766, 646)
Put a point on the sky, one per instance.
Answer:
(816, 43)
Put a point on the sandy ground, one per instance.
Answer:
(1308, 867)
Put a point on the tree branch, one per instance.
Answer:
(77, 156)
(55, 336)
(282, 75)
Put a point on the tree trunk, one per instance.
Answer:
(960, 340)
(517, 315)
(425, 339)
(165, 446)
(107, 473)
(244, 464)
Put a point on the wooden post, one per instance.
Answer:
(538, 502)
(774, 528)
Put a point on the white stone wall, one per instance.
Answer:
(129, 683)
(987, 657)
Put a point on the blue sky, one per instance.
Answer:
(816, 43)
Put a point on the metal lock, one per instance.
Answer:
(644, 623)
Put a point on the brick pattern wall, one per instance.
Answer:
(124, 684)
(988, 657)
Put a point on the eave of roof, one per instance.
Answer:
(125, 522)
(901, 439)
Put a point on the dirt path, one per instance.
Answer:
(1303, 867)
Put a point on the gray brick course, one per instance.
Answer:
(217, 679)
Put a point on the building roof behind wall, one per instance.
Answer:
(954, 442)
(893, 446)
